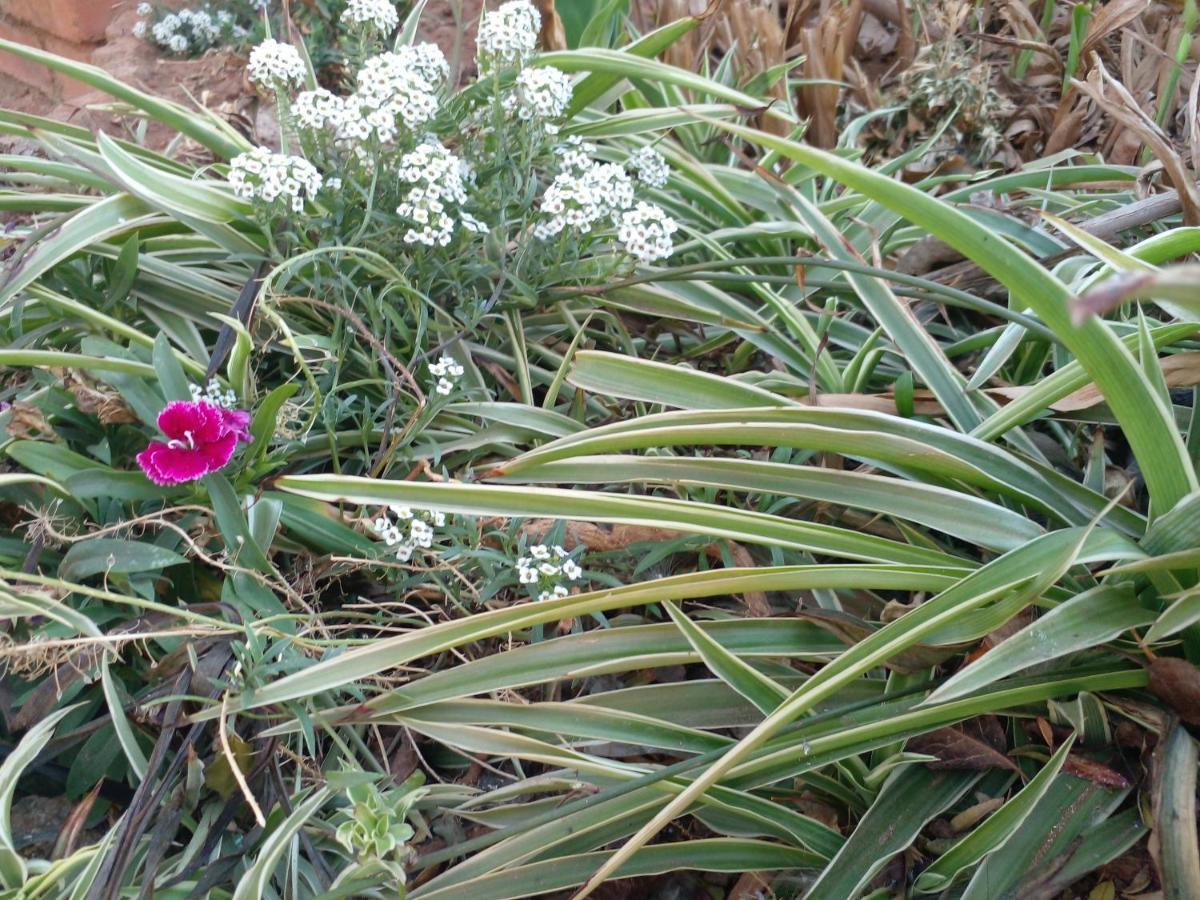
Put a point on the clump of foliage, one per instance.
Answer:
(237, 25)
(190, 31)
(497, 489)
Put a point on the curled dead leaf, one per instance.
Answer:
(1176, 682)
(1097, 773)
(98, 400)
(27, 422)
(1178, 284)
(975, 744)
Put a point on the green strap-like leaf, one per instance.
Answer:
(742, 677)
(1147, 422)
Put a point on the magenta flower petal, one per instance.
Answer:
(237, 422)
(218, 452)
(197, 422)
(167, 465)
(203, 438)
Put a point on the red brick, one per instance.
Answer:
(79, 21)
(37, 76)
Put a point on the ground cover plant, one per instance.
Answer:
(550, 484)
(192, 30)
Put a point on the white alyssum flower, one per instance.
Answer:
(447, 370)
(213, 393)
(650, 167)
(407, 530)
(316, 110)
(439, 180)
(144, 9)
(508, 35)
(402, 86)
(427, 60)
(264, 176)
(540, 94)
(178, 43)
(577, 200)
(575, 154)
(164, 29)
(205, 28)
(274, 63)
(646, 232)
(471, 223)
(139, 29)
(381, 14)
(544, 570)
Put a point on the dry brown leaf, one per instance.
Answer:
(1114, 98)
(826, 46)
(1179, 370)
(1067, 129)
(1176, 682)
(924, 403)
(1193, 121)
(94, 400)
(1097, 773)
(1111, 16)
(975, 744)
(72, 828)
(553, 36)
(26, 421)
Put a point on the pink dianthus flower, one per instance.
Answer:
(201, 439)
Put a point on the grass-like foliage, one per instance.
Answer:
(502, 488)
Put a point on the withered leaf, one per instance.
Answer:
(851, 630)
(1176, 682)
(975, 744)
(1097, 773)
(26, 421)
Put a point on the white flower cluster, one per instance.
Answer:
(650, 167)
(539, 94)
(265, 176)
(578, 199)
(393, 90)
(316, 110)
(545, 567)
(586, 192)
(409, 531)
(574, 154)
(273, 63)
(403, 84)
(646, 232)
(379, 13)
(213, 394)
(439, 180)
(446, 370)
(508, 35)
(188, 30)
